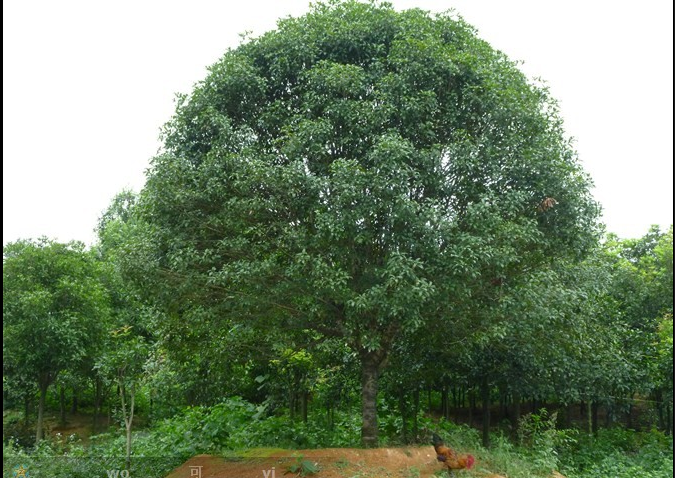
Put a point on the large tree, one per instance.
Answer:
(359, 172)
(53, 308)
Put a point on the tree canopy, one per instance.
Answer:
(360, 172)
(53, 307)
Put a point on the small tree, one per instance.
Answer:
(124, 365)
(54, 305)
(126, 352)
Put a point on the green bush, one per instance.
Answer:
(235, 425)
(620, 453)
(17, 430)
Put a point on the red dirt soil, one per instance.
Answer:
(419, 462)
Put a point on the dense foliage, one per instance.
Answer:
(360, 174)
(234, 426)
(364, 226)
(53, 305)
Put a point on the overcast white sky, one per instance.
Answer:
(87, 85)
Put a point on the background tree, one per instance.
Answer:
(642, 288)
(123, 364)
(662, 370)
(125, 355)
(54, 305)
(359, 172)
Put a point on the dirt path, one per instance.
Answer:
(410, 462)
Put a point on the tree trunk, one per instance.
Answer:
(515, 414)
(404, 415)
(62, 405)
(329, 414)
(73, 409)
(589, 417)
(503, 404)
(660, 408)
(594, 417)
(485, 397)
(128, 452)
(39, 432)
(26, 408)
(291, 402)
(416, 412)
(151, 406)
(568, 416)
(669, 419)
(303, 405)
(128, 418)
(472, 404)
(369, 382)
(97, 402)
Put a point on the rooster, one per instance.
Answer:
(449, 457)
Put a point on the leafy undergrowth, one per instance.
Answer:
(238, 431)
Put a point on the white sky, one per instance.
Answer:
(87, 85)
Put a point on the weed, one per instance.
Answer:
(412, 472)
(303, 467)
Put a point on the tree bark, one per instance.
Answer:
(97, 402)
(62, 405)
(515, 414)
(372, 361)
(292, 402)
(416, 412)
(128, 418)
(128, 455)
(404, 415)
(329, 413)
(485, 398)
(503, 403)
(303, 405)
(472, 406)
(659, 409)
(369, 387)
(73, 409)
(669, 420)
(26, 408)
(568, 416)
(39, 432)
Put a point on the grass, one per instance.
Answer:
(614, 452)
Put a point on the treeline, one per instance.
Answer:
(358, 209)
(585, 338)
